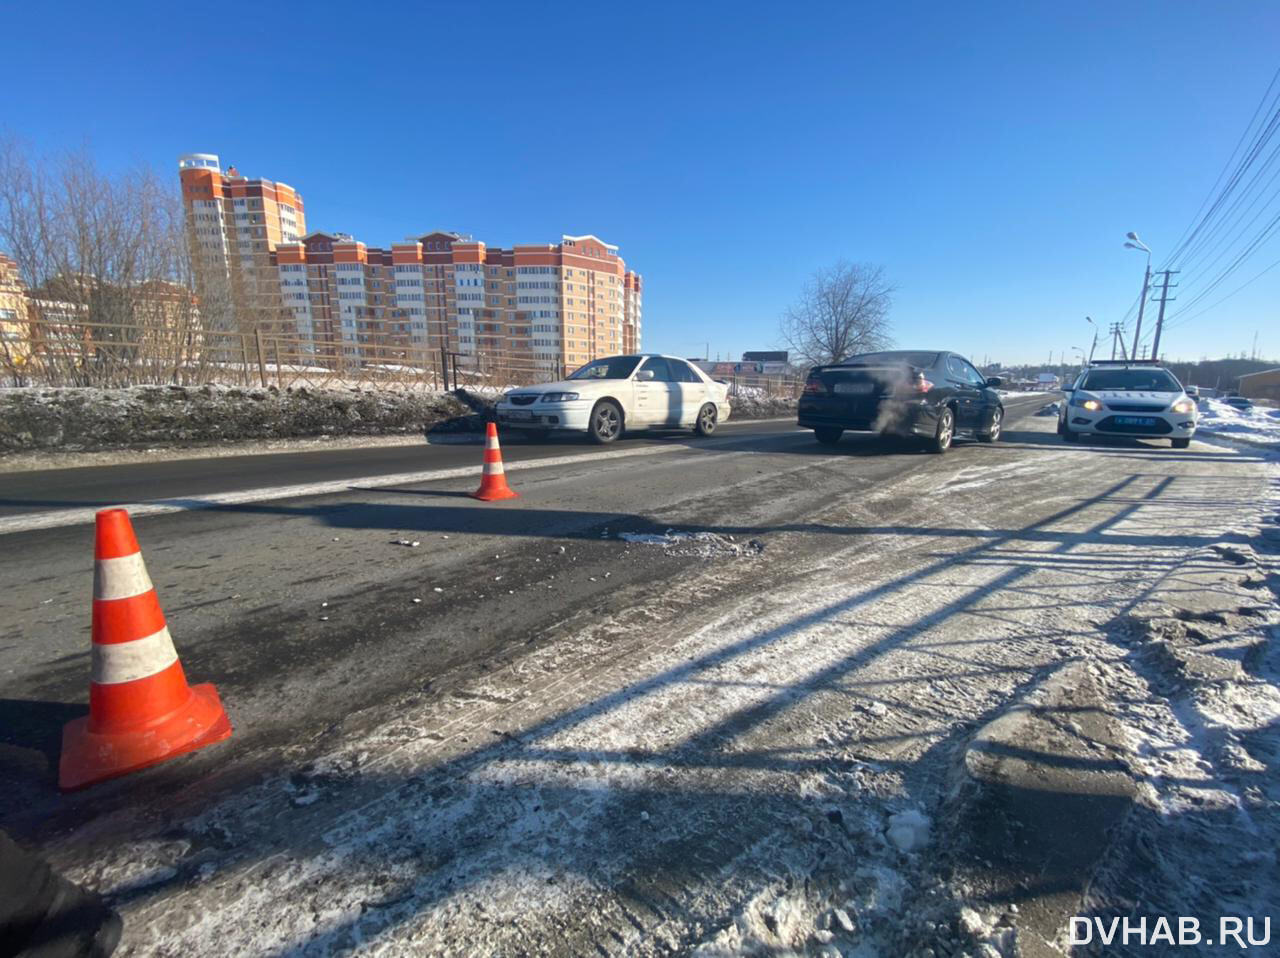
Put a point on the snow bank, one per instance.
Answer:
(761, 407)
(1260, 424)
(92, 418)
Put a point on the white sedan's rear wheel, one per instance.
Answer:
(706, 423)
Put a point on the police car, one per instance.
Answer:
(1127, 398)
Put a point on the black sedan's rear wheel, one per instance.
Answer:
(945, 432)
(828, 435)
(992, 432)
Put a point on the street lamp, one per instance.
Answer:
(1135, 243)
(1089, 320)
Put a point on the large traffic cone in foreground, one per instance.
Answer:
(141, 710)
(493, 484)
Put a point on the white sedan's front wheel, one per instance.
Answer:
(606, 422)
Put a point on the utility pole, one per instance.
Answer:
(1117, 339)
(1142, 305)
(1254, 355)
(1164, 298)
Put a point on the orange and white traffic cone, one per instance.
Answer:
(493, 484)
(141, 710)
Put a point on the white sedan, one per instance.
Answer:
(607, 396)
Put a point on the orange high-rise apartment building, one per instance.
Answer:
(541, 308)
(547, 307)
(234, 225)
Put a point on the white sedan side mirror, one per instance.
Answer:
(644, 376)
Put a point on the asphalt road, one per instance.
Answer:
(300, 608)
(51, 489)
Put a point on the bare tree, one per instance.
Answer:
(843, 310)
(106, 263)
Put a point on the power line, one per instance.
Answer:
(1241, 258)
(1226, 166)
(1223, 227)
(1228, 228)
(1260, 139)
(1183, 320)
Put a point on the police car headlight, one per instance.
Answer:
(1184, 406)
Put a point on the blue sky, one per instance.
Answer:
(990, 156)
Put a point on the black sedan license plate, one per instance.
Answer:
(854, 389)
(1135, 421)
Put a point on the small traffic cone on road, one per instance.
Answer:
(493, 484)
(141, 710)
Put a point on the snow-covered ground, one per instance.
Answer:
(1261, 424)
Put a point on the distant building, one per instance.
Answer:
(543, 308)
(1261, 385)
(234, 225)
(15, 340)
(632, 311)
(765, 362)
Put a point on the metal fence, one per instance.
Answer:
(71, 353)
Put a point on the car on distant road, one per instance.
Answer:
(607, 397)
(1134, 398)
(1243, 403)
(933, 395)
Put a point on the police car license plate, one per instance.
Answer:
(1135, 421)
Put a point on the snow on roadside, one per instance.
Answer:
(1261, 424)
(706, 545)
(1198, 699)
(1017, 393)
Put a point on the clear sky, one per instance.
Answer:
(990, 156)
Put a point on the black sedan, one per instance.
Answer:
(932, 395)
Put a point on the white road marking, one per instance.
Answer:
(157, 507)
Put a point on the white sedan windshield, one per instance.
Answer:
(616, 367)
